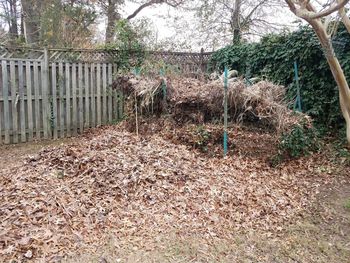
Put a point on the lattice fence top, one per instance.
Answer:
(100, 55)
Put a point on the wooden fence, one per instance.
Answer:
(43, 100)
(50, 94)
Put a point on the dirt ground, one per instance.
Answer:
(321, 235)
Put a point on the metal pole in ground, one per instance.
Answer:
(225, 112)
(298, 100)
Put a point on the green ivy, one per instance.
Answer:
(131, 50)
(273, 57)
(300, 141)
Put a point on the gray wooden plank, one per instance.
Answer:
(87, 94)
(68, 100)
(81, 97)
(54, 100)
(109, 91)
(37, 101)
(29, 101)
(93, 95)
(5, 86)
(98, 88)
(104, 93)
(45, 103)
(14, 101)
(119, 99)
(74, 100)
(22, 101)
(61, 99)
(1, 120)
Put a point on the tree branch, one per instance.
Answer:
(153, 2)
(306, 11)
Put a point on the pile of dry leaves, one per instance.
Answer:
(111, 182)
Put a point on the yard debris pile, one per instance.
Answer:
(207, 138)
(150, 93)
(196, 101)
(111, 182)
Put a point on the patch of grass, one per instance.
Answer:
(347, 205)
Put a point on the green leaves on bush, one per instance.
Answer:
(300, 141)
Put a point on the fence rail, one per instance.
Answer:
(50, 94)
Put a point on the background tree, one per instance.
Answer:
(221, 22)
(113, 8)
(10, 14)
(59, 23)
(319, 17)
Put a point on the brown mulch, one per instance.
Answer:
(111, 182)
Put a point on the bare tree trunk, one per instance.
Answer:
(337, 71)
(31, 13)
(13, 19)
(112, 18)
(236, 23)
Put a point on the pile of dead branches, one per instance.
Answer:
(196, 101)
(143, 94)
(262, 103)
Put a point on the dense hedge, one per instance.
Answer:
(273, 58)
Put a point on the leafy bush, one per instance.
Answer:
(131, 50)
(273, 58)
(203, 137)
(300, 141)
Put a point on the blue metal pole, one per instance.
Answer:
(298, 100)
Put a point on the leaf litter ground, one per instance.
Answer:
(109, 182)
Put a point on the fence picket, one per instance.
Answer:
(29, 101)
(54, 100)
(14, 101)
(104, 93)
(93, 95)
(22, 101)
(98, 93)
(87, 102)
(74, 97)
(37, 101)
(45, 104)
(62, 102)
(81, 97)
(110, 95)
(68, 102)
(5, 95)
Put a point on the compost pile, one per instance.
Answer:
(110, 182)
(196, 101)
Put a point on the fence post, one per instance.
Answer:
(45, 95)
(202, 61)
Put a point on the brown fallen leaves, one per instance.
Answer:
(110, 182)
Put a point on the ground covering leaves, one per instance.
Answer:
(110, 182)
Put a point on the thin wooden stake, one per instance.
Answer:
(225, 112)
(136, 116)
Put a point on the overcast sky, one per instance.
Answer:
(163, 16)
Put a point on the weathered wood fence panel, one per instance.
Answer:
(43, 100)
(57, 93)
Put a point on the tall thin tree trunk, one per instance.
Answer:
(112, 18)
(31, 12)
(337, 71)
(13, 19)
(236, 23)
